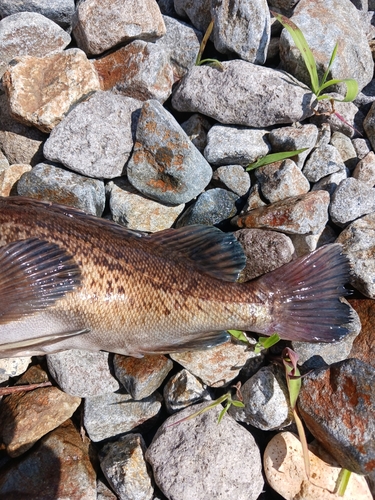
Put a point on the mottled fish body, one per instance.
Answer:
(69, 280)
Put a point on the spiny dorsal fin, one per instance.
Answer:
(210, 250)
(34, 274)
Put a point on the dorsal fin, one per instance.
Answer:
(34, 274)
(210, 250)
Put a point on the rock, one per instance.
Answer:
(50, 183)
(96, 138)
(358, 241)
(133, 210)
(306, 243)
(140, 20)
(41, 91)
(218, 366)
(351, 200)
(113, 414)
(281, 180)
(254, 199)
(198, 458)
(59, 11)
(330, 182)
(10, 176)
(283, 458)
(125, 468)
(82, 373)
(4, 163)
(196, 128)
(58, 467)
(212, 207)
(103, 492)
(328, 18)
(362, 147)
(243, 94)
(235, 145)
(242, 28)
(28, 416)
(258, 243)
(12, 367)
(293, 138)
(330, 401)
(29, 34)
(365, 169)
(344, 117)
(266, 399)
(141, 376)
(165, 165)
(304, 214)
(199, 13)
(182, 390)
(181, 42)
(140, 70)
(345, 148)
(317, 355)
(323, 161)
(233, 178)
(18, 142)
(364, 344)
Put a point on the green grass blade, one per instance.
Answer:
(238, 335)
(271, 158)
(333, 56)
(303, 47)
(203, 44)
(342, 482)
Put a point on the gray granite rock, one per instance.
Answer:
(196, 128)
(181, 41)
(232, 177)
(29, 33)
(12, 367)
(198, 458)
(96, 138)
(51, 183)
(369, 125)
(82, 373)
(345, 117)
(306, 243)
(351, 200)
(125, 468)
(344, 146)
(254, 200)
(266, 399)
(212, 207)
(324, 22)
(264, 250)
(330, 182)
(337, 405)
(59, 11)
(133, 210)
(141, 376)
(242, 28)
(293, 138)
(113, 414)
(165, 165)
(142, 21)
(10, 176)
(243, 94)
(198, 12)
(323, 161)
(235, 145)
(365, 169)
(362, 147)
(358, 241)
(304, 214)
(182, 390)
(281, 180)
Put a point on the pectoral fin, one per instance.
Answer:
(34, 274)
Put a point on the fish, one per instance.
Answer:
(69, 280)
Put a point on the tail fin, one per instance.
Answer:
(307, 293)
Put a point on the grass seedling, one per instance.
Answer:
(273, 157)
(342, 482)
(317, 86)
(263, 342)
(211, 62)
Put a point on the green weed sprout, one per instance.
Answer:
(317, 86)
(263, 342)
(211, 62)
(342, 482)
(271, 158)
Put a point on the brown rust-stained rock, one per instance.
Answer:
(364, 345)
(28, 416)
(41, 91)
(305, 214)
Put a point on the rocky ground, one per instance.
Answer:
(103, 108)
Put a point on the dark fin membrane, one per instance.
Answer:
(32, 347)
(210, 250)
(200, 342)
(306, 294)
(34, 274)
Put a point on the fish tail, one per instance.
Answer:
(306, 293)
